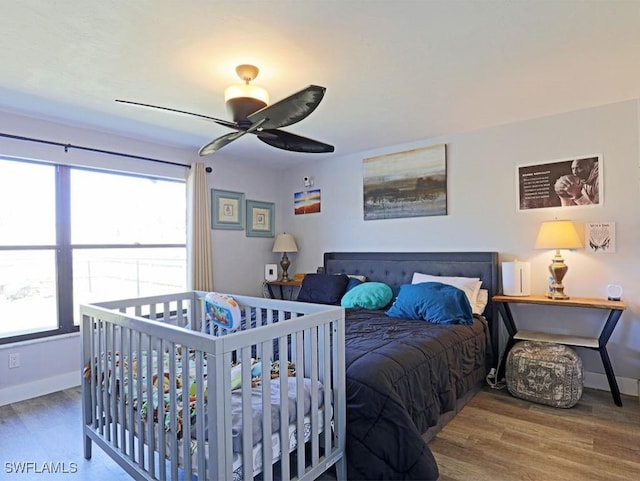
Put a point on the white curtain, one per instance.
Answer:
(199, 253)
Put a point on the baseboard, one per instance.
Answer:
(22, 392)
(598, 380)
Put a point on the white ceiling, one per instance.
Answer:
(395, 71)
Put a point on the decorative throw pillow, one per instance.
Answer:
(433, 302)
(323, 288)
(481, 302)
(223, 310)
(353, 282)
(368, 295)
(470, 285)
(358, 276)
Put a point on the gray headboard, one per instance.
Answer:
(397, 268)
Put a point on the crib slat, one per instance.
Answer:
(139, 387)
(180, 314)
(112, 433)
(313, 347)
(300, 402)
(173, 410)
(186, 414)
(328, 387)
(225, 445)
(160, 427)
(100, 380)
(148, 357)
(86, 328)
(267, 448)
(247, 411)
(120, 412)
(130, 394)
(200, 411)
(285, 466)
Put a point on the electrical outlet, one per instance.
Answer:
(14, 360)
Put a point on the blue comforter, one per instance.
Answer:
(401, 376)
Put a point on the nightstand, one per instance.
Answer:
(615, 309)
(292, 285)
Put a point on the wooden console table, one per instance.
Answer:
(615, 309)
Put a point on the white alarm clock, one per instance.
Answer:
(614, 292)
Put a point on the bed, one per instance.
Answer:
(405, 378)
(170, 391)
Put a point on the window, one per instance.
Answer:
(70, 236)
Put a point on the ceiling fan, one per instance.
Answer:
(251, 115)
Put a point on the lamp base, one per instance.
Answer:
(558, 269)
(285, 263)
(556, 293)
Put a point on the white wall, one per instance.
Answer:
(482, 216)
(239, 260)
(54, 363)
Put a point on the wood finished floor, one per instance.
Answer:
(496, 437)
(500, 438)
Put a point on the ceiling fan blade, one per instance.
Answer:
(295, 143)
(226, 123)
(291, 109)
(220, 142)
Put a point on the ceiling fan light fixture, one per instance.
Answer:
(251, 115)
(243, 100)
(246, 91)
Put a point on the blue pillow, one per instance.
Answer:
(368, 295)
(433, 302)
(353, 282)
(323, 288)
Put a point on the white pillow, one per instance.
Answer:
(481, 302)
(469, 285)
(360, 278)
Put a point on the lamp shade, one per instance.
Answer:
(285, 243)
(558, 234)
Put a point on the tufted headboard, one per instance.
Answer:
(397, 268)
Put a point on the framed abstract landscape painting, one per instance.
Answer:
(406, 184)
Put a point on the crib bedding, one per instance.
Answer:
(257, 458)
(142, 399)
(401, 375)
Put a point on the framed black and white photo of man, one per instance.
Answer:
(570, 182)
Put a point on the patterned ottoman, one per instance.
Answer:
(545, 373)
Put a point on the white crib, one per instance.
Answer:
(158, 398)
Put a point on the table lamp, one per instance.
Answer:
(285, 243)
(558, 234)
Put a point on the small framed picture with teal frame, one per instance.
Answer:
(227, 209)
(260, 219)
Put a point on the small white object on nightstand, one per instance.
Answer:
(614, 292)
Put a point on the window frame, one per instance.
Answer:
(64, 247)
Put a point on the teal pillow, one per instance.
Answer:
(433, 302)
(368, 295)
